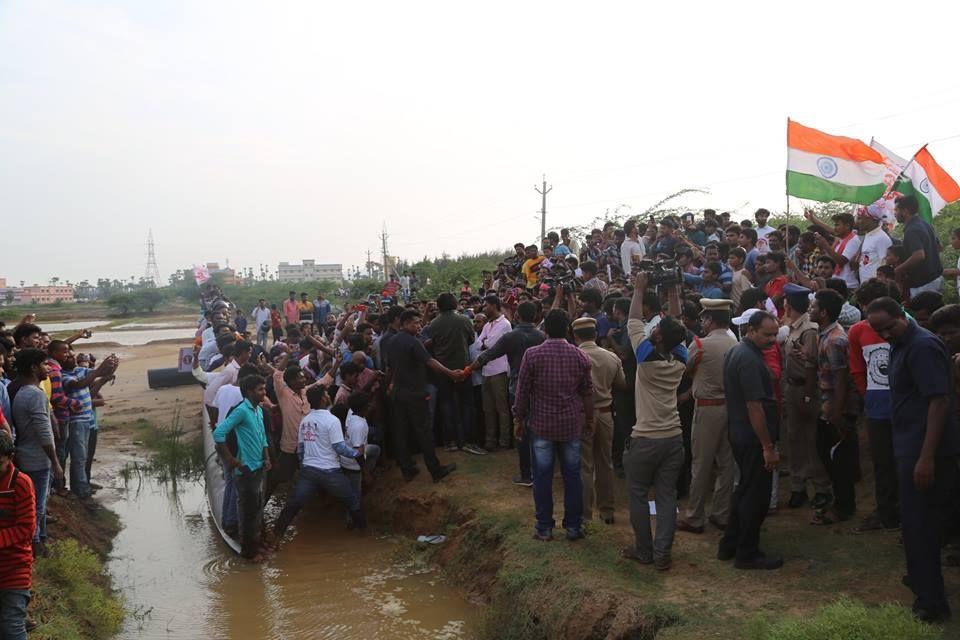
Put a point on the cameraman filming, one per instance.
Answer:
(654, 455)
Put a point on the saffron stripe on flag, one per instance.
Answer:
(803, 185)
(813, 141)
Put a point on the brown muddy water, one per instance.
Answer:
(180, 581)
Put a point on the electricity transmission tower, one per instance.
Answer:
(152, 273)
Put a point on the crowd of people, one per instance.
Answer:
(685, 355)
(688, 356)
(50, 399)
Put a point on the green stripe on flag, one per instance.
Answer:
(905, 186)
(803, 185)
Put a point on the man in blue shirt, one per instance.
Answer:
(708, 285)
(926, 444)
(321, 309)
(251, 460)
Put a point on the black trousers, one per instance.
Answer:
(922, 520)
(843, 463)
(748, 507)
(410, 415)
(880, 434)
(624, 417)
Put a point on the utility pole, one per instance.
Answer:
(384, 253)
(366, 267)
(543, 207)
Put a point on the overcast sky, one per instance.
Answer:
(262, 132)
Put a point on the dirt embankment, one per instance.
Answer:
(525, 599)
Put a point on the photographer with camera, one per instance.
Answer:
(654, 453)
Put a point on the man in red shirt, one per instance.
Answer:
(18, 519)
(774, 265)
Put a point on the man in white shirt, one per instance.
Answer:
(763, 230)
(844, 249)
(261, 321)
(496, 406)
(357, 433)
(320, 445)
(875, 242)
(631, 251)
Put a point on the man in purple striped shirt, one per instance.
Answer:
(554, 399)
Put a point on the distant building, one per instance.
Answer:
(3, 283)
(46, 294)
(228, 276)
(309, 271)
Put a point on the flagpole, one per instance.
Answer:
(904, 170)
(787, 190)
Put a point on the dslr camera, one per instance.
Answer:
(660, 272)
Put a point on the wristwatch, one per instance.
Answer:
(807, 398)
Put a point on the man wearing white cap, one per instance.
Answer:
(875, 241)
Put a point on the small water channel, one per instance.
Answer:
(180, 580)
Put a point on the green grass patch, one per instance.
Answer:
(845, 620)
(175, 455)
(72, 599)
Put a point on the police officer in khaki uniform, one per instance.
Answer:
(709, 440)
(800, 399)
(596, 449)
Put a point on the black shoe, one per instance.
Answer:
(575, 534)
(725, 556)
(759, 563)
(932, 616)
(543, 536)
(798, 499)
(520, 481)
(411, 473)
(444, 471)
(607, 520)
(821, 500)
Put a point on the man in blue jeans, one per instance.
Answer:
(320, 445)
(554, 401)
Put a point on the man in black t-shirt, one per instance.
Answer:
(922, 270)
(407, 362)
(753, 422)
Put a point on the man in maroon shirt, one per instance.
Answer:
(18, 519)
(553, 384)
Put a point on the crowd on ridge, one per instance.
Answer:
(684, 355)
(50, 400)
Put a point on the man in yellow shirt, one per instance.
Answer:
(530, 267)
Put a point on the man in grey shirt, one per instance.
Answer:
(36, 454)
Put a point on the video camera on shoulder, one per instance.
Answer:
(665, 271)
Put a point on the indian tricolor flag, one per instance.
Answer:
(933, 187)
(824, 167)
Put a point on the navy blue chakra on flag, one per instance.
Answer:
(827, 167)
